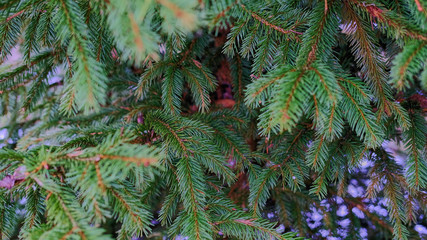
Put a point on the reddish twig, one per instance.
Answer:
(14, 15)
(265, 22)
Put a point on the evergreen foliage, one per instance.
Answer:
(212, 119)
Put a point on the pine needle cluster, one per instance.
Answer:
(212, 119)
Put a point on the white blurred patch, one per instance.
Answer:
(281, 228)
(358, 212)
(355, 191)
(3, 133)
(324, 232)
(342, 211)
(421, 229)
(363, 232)
(344, 223)
(14, 57)
(333, 238)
